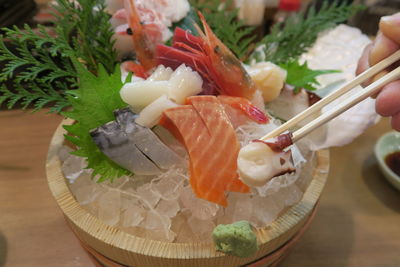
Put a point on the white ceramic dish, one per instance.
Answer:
(386, 144)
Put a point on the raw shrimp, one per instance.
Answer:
(221, 71)
(145, 38)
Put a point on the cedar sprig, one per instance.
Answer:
(35, 54)
(223, 20)
(38, 96)
(289, 40)
(85, 26)
(35, 58)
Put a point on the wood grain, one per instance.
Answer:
(134, 251)
(32, 229)
(357, 223)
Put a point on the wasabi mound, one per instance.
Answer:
(236, 239)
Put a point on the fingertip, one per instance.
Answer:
(363, 63)
(395, 122)
(388, 100)
(382, 48)
(390, 27)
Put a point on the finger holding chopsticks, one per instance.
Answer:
(386, 43)
(266, 158)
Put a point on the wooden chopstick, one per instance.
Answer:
(346, 104)
(334, 95)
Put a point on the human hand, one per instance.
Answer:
(386, 43)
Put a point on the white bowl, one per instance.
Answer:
(387, 144)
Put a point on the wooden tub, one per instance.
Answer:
(111, 246)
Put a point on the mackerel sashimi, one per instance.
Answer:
(205, 130)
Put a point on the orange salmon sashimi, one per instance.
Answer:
(188, 127)
(223, 138)
(205, 130)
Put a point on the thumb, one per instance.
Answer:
(390, 27)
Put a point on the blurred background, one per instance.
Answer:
(34, 11)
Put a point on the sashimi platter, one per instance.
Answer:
(166, 103)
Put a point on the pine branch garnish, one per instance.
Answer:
(288, 42)
(39, 63)
(92, 42)
(38, 97)
(225, 24)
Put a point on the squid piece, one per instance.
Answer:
(260, 161)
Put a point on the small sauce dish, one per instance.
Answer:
(385, 152)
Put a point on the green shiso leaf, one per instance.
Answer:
(301, 76)
(92, 106)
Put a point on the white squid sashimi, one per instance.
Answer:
(140, 94)
(183, 83)
(179, 84)
(161, 73)
(151, 114)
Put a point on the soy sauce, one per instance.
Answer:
(393, 161)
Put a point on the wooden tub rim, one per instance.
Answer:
(113, 236)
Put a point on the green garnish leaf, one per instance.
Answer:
(38, 96)
(301, 76)
(97, 98)
(224, 22)
(39, 63)
(289, 40)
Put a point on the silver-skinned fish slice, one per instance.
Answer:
(147, 141)
(115, 144)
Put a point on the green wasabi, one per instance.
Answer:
(236, 239)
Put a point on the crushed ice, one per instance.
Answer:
(163, 207)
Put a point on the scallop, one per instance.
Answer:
(269, 78)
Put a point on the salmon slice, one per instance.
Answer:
(187, 126)
(223, 147)
(210, 140)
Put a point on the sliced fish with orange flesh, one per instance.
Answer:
(187, 125)
(221, 150)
